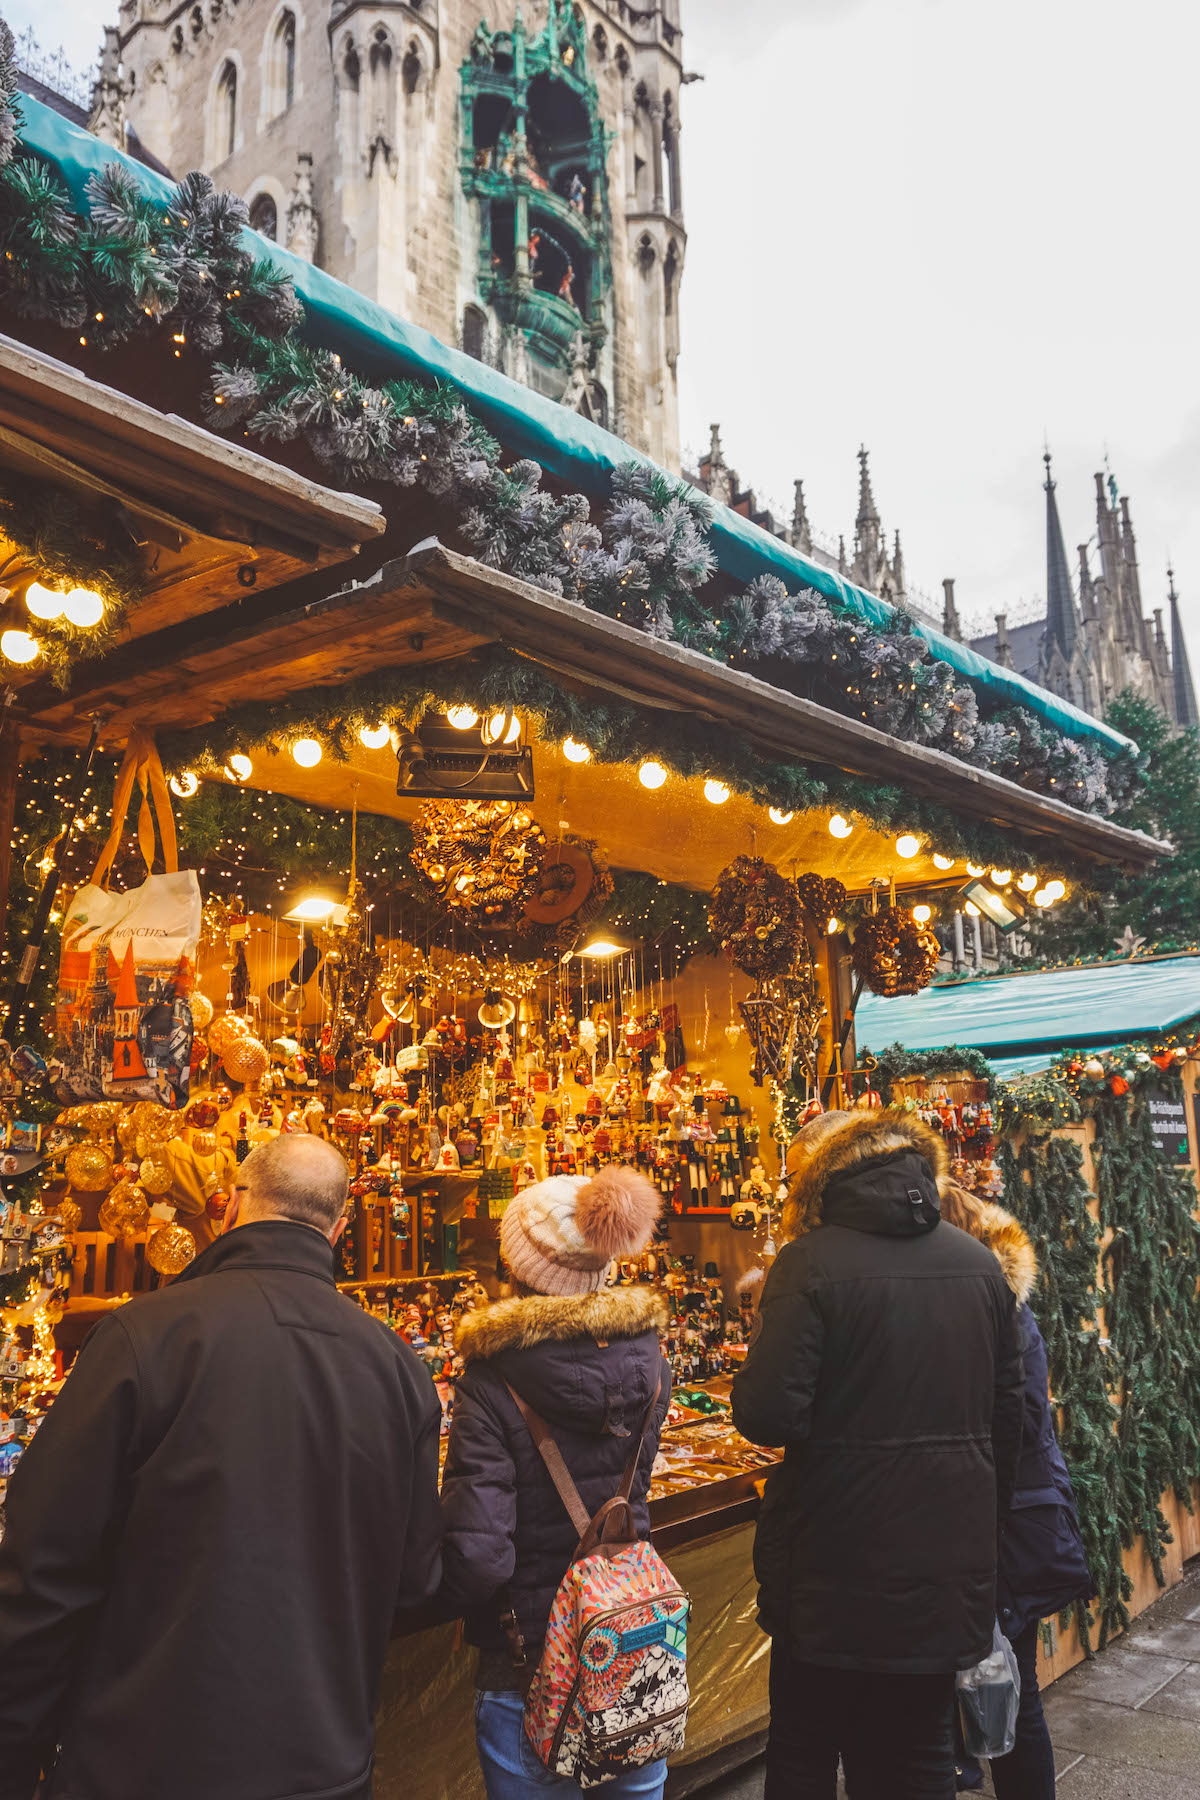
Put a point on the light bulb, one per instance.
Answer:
(833, 927)
(841, 828)
(1001, 877)
(943, 862)
(83, 608)
(239, 766)
(496, 728)
(374, 736)
(907, 846)
(307, 752)
(43, 602)
(462, 718)
(1042, 898)
(921, 914)
(777, 816)
(971, 909)
(1055, 890)
(575, 752)
(716, 792)
(18, 646)
(974, 868)
(1027, 883)
(184, 784)
(652, 775)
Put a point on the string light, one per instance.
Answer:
(971, 909)
(975, 869)
(778, 817)
(185, 784)
(652, 775)
(575, 752)
(496, 728)
(83, 608)
(922, 914)
(907, 846)
(1027, 883)
(18, 646)
(307, 752)
(716, 793)
(1001, 877)
(43, 602)
(374, 736)
(1055, 890)
(462, 717)
(943, 862)
(239, 767)
(840, 827)
(833, 927)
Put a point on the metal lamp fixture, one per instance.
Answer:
(458, 754)
(1003, 909)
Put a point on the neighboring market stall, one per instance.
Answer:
(578, 848)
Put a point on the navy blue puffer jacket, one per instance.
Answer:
(589, 1366)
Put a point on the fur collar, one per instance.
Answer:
(866, 1135)
(1011, 1247)
(618, 1312)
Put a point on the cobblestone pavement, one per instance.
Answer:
(1125, 1727)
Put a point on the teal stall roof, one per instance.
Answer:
(380, 346)
(1020, 1016)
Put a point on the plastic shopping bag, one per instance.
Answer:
(988, 1698)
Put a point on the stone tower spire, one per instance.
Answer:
(1184, 694)
(869, 555)
(951, 624)
(801, 530)
(1062, 624)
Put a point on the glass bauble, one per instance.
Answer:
(124, 1211)
(171, 1249)
(89, 1167)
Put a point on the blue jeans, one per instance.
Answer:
(512, 1771)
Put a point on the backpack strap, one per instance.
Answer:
(590, 1530)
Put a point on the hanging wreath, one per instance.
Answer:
(894, 954)
(755, 913)
(481, 858)
(821, 897)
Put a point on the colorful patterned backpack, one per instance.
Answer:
(611, 1691)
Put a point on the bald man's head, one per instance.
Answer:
(295, 1176)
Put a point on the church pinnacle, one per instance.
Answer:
(1062, 625)
(1186, 713)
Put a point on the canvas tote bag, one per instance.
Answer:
(128, 962)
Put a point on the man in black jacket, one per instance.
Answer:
(886, 1361)
(210, 1535)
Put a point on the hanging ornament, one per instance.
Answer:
(1093, 1068)
(89, 1167)
(755, 914)
(201, 1009)
(171, 1249)
(893, 954)
(224, 1031)
(480, 858)
(124, 1211)
(497, 1010)
(246, 1059)
(70, 1215)
(821, 898)
(154, 1175)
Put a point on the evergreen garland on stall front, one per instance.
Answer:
(182, 274)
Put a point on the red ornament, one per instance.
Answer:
(1119, 1085)
(1164, 1060)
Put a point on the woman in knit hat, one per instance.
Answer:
(586, 1357)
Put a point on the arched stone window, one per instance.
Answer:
(281, 65)
(264, 217)
(410, 69)
(474, 332)
(600, 43)
(225, 115)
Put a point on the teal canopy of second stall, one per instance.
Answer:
(380, 346)
(1019, 1022)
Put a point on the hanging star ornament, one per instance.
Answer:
(1128, 943)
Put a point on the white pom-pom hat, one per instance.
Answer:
(559, 1236)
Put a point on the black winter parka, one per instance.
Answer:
(589, 1366)
(208, 1539)
(887, 1363)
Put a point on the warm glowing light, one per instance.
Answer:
(462, 718)
(313, 910)
(307, 752)
(777, 816)
(652, 775)
(184, 784)
(943, 862)
(974, 868)
(971, 909)
(83, 608)
(43, 602)
(833, 927)
(18, 646)
(601, 947)
(497, 728)
(240, 767)
(839, 827)
(575, 752)
(374, 736)
(716, 792)
(907, 846)
(1042, 898)
(1001, 877)
(922, 914)
(1027, 883)
(1055, 890)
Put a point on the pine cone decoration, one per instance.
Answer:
(893, 954)
(821, 897)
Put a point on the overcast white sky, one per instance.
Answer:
(943, 229)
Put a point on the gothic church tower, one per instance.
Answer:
(505, 175)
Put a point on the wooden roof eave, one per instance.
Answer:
(435, 604)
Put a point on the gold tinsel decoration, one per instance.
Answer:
(480, 858)
(124, 1211)
(89, 1167)
(171, 1249)
(246, 1059)
(893, 954)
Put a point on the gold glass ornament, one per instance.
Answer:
(127, 1131)
(70, 1214)
(202, 1010)
(154, 1121)
(154, 1175)
(246, 1059)
(171, 1249)
(225, 1031)
(204, 1143)
(124, 1210)
(89, 1167)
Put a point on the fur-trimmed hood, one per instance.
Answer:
(866, 1137)
(1012, 1249)
(519, 1324)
